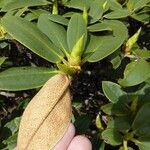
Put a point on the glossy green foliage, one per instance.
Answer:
(141, 123)
(10, 131)
(101, 46)
(112, 136)
(131, 124)
(31, 37)
(135, 73)
(23, 78)
(58, 19)
(117, 14)
(69, 35)
(9, 5)
(56, 33)
(113, 91)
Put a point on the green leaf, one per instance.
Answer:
(120, 123)
(116, 61)
(55, 32)
(140, 4)
(76, 29)
(107, 108)
(141, 123)
(144, 143)
(113, 91)
(34, 14)
(13, 125)
(58, 19)
(142, 53)
(4, 2)
(117, 109)
(135, 73)
(98, 27)
(100, 47)
(23, 78)
(114, 5)
(112, 137)
(30, 36)
(141, 17)
(117, 14)
(2, 60)
(15, 4)
(134, 5)
(79, 4)
(30, 16)
(11, 142)
(96, 10)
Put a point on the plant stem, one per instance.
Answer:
(125, 145)
(55, 7)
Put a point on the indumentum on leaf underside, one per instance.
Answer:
(89, 31)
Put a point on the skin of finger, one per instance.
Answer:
(80, 143)
(65, 141)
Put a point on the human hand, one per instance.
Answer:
(72, 142)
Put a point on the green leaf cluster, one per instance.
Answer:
(128, 114)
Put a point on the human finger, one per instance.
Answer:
(65, 141)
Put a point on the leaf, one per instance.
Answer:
(12, 128)
(141, 17)
(120, 123)
(117, 14)
(117, 109)
(112, 137)
(96, 10)
(58, 19)
(113, 91)
(2, 60)
(4, 2)
(140, 4)
(34, 14)
(30, 17)
(79, 4)
(134, 5)
(11, 142)
(15, 4)
(107, 108)
(30, 36)
(135, 73)
(76, 29)
(23, 78)
(142, 53)
(13, 125)
(141, 123)
(98, 27)
(101, 46)
(116, 61)
(55, 32)
(114, 5)
(144, 143)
